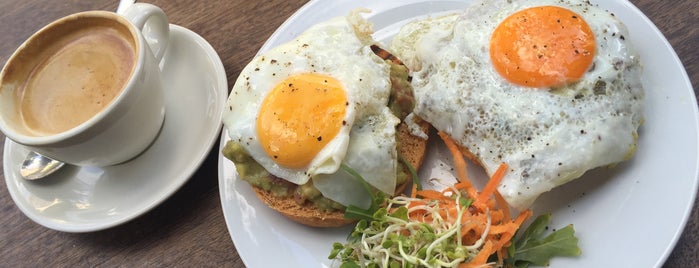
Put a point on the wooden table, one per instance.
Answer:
(188, 229)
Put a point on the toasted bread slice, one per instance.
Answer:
(411, 148)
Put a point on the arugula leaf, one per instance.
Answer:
(531, 248)
(534, 231)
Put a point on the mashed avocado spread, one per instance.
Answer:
(253, 173)
(257, 176)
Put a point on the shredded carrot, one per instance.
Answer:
(502, 254)
(459, 164)
(502, 204)
(482, 256)
(492, 185)
(506, 237)
(501, 229)
(463, 185)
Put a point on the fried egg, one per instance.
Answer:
(551, 88)
(305, 107)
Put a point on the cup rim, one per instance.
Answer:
(12, 133)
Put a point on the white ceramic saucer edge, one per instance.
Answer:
(91, 199)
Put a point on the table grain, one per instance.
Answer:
(188, 229)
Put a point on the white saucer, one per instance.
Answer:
(88, 199)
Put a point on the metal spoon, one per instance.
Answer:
(36, 166)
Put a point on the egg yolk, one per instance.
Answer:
(544, 46)
(299, 117)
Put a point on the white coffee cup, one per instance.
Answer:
(86, 89)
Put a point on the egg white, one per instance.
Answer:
(372, 154)
(547, 137)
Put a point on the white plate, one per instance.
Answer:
(89, 199)
(629, 216)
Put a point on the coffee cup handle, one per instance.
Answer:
(153, 23)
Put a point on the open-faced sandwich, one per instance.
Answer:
(551, 88)
(316, 124)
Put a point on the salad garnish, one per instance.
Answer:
(456, 227)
